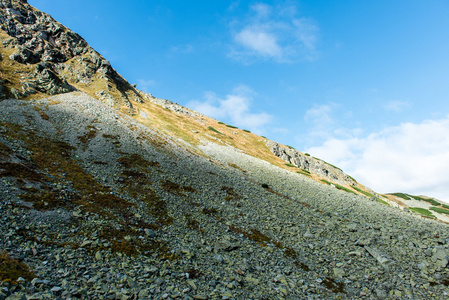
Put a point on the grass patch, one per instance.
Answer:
(290, 165)
(445, 206)
(325, 181)
(401, 195)
(368, 194)
(440, 210)
(246, 130)
(306, 154)
(422, 211)
(214, 130)
(382, 201)
(304, 173)
(431, 201)
(12, 269)
(352, 178)
(221, 123)
(340, 187)
(328, 163)
(291, 147)
(230, 126)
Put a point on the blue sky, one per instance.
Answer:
(361, 84)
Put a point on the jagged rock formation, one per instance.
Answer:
(58, 59)
(171, 105)
(311, 164)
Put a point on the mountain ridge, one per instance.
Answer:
(135, 197)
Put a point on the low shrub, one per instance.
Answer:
(214, 130)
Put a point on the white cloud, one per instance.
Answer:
(411, 158)
(274, 32)
(259, 40)
(235, 107)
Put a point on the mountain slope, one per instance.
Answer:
(157, 201)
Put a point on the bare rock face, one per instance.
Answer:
(311, 164)
(62, 59)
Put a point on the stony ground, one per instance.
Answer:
(100, 207)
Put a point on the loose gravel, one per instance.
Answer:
(183, 226)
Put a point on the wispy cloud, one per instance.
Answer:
(146, 85)
(396, 106)
(234, 107)
(273, 32)
(411, 158)
(186, 48)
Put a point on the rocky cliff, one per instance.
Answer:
(312, 164)
(39, 55)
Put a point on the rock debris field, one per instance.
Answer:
(97, 206)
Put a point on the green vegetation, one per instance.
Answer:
(410, 197)
(422, 211)
(431, 201)
(290, 165)
(221, 123)
(214, 130)
(352, 178)
(291, 147)
(382, 201)
(304, 173)
(440, 210)
(246, 130)
(362, 191)
(340, 187)
(230, 126)
(306, 154)
(445, 206)
(401, 195)
(326, 182)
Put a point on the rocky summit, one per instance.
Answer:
(110, 193)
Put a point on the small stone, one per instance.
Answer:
(98, 255)
(192, 284)
(17, 296)
(56, 290)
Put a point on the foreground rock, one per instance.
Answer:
(115, 210)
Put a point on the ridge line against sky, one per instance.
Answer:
(360, 84)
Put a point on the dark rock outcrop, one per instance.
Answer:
(63, 60)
